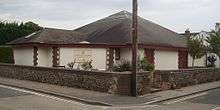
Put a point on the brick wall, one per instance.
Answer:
(174, 79)
(115, 83)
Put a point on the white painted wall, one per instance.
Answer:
(50, 57)
(141, 53)
(166, 60)
(23, 56)
(198, 62)
(217, 62)
(97, 55)
(45, 57)
(126, 54)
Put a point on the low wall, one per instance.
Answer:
(115, 83)
(175, 79)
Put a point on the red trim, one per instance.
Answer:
(79, 45)
(111, 58)
(55, 52)
(183, 59)
(35, 56)
(149, 55)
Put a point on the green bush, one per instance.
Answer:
(6, 54)
(87, 65)
(71, 64)
(122, 66)
(144, 65)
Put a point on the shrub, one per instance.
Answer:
(144, 65)
(6, 54)
(122, 66)
(71, 64)
(212, 59)
(87, 65)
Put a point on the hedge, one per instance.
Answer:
(6, 54)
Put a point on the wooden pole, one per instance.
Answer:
(134, 48)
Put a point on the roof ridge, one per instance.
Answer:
(119, 15)
(122, 14)
(56, 29)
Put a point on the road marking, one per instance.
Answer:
(154, 100)
(71, 101)
(185, 98)
(218, 108)
(35, 93)
(135, 107)
(44, 95)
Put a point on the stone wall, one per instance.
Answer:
(115, 83)
(175, 79)
(110, 82)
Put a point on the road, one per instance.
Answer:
(18, 99)
(209, 100)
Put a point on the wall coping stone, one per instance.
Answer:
(74, 70)
(190, 69)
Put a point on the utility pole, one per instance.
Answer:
(134, 48)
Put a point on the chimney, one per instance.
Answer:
(187, 33)
(217, 27)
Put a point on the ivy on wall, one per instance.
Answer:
(6, 54)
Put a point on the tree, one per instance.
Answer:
(196, 48)
(12, 30)
(214, 43)
(212, 59)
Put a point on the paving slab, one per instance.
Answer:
(99, 98)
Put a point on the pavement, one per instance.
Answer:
(104, 99)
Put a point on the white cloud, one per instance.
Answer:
(69, 14)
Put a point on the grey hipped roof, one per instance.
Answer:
(50, 36)
(114, 30)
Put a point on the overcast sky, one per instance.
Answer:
(177, 15)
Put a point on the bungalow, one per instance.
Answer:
(105, 42)
(202, 62)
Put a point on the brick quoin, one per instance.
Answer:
(149, 55)
(183, 59)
